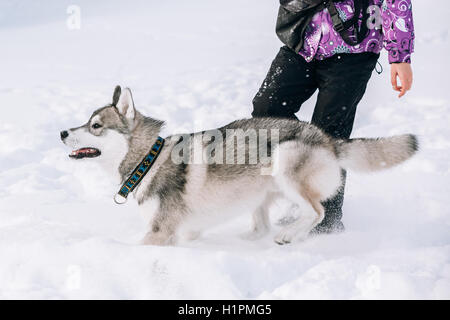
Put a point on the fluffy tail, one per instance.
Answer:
(369, 155)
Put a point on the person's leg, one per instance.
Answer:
(342, 83)
(333, 211)
(288, 84)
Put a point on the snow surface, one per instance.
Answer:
(198, 65)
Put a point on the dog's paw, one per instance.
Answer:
(192, 235)
(253, 235)
(157, 239)
(288, 235)
(282, 238)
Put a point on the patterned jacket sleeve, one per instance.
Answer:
(398, 29)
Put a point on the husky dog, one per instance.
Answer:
(181, 196)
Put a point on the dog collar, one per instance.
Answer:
(139, 173)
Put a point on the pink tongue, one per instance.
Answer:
(83, 150)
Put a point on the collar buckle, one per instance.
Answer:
(120, 199)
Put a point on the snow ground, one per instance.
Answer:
(198, 65)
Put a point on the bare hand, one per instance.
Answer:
(404, 72)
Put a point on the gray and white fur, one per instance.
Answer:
(179, 199)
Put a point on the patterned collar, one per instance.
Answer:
(139, 173)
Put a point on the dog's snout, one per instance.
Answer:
(64, 134)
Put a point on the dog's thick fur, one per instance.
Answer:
(183, 196)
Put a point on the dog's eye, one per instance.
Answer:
(96, 126)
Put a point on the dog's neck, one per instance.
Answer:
(140, 140)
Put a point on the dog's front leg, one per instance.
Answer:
(158, 239)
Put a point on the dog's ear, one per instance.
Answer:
(125, 105)
(116, 95)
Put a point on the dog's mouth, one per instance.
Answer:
(85, 153)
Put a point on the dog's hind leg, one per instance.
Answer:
(306, 177)
(261, 222)
(313, 199)
(300, 228)
(308, 199)
(304, 194)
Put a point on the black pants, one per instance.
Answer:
(341, 81)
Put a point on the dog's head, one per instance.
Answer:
(105, 134)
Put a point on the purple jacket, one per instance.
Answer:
(391, 25)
